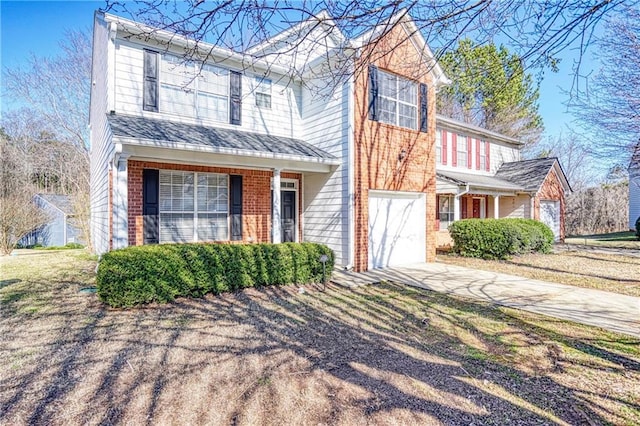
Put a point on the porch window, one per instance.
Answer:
(187, 88)
(193, 206)
(438, 147)
(462, 152)
(445, 211)
(398, 100)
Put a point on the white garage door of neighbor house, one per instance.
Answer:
(550, 216)
(397, 227)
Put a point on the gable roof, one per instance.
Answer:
(405, 20)
(58, 201)
(451, 124)
(530, 174)
(224, 140)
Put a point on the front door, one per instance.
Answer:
(288, 215)
(476, 208)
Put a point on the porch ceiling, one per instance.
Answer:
(162, 140)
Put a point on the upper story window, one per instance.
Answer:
(263, 92)
(482, 154)
(398, 100)
(186, 89)
(461, 151)
(438, 147)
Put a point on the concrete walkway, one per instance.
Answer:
(611, 311)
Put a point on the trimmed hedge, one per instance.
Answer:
(160, 273)
(500, 238)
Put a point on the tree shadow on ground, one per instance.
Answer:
(274, 356)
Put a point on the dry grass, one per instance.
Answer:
(624, 240)
(608, 272)
(381, 354)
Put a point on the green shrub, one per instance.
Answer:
(638, 227)
(160, 273)
(500, 238)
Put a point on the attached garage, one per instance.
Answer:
(550, 216)
(397, 228)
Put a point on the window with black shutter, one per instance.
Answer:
(235, 98)
(150, 95)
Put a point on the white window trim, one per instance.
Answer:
(194, 81)
(397, 100)
(258, 80)
(195, 206)
(461, 140)
(450, 212)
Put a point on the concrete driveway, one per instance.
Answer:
(611, 311)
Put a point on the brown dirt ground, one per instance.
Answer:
(381, 354)
(608, 272)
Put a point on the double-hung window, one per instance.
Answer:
(195, 90)
(445, 211)
(482, 156)
(263, 92)
(398, 100)
(193, 206)
(462, 153)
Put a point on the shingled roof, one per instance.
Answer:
(198, 135)
(59, 201)
(529, 174)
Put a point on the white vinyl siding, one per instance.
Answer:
(634, 197)
(325, 196)
(193, 206)
(282, 119)
(397, 100)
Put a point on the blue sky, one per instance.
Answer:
(37, 27)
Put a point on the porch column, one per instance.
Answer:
(120, 204)
(276, 222)
(456, 208)
(496, 206)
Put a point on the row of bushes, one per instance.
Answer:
(500, 238)
(160, 273)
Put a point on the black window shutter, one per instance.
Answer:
(235, 101)
(150, 205)
(423, 107)
(236, 207)
(150, 95)
(373, 93)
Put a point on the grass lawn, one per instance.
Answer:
(626, 240)
(608, 272)
(382, 354)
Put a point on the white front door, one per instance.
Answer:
(397, 228)
(550, 216)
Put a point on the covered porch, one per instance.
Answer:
(466, 196)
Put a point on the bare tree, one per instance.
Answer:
(608, 104)
(53, 128)
(19, 215)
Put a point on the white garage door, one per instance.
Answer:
(397, 226)
(550, 216)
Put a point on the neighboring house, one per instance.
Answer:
(59, 228)
(268, 145)
(634, 189)
(480, 174)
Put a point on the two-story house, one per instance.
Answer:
(270, 146)
(480, 174)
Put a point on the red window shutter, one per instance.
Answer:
(487, 150)
(454, 149)
(464, 207)
(469, 155)
(478, 142)
(437, 207)
(444, 147)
